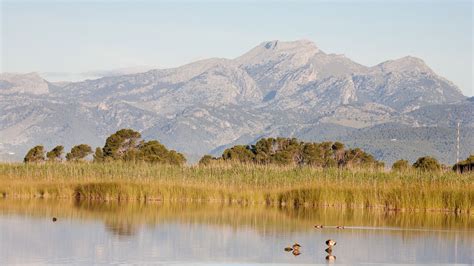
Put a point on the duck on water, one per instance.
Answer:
(331, 242)
(295, 246)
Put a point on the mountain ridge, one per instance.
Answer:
(275, 89)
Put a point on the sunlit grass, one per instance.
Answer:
(245, 184)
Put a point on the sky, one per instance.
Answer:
(80, 36)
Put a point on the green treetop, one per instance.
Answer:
(427, 163)
(55, 154)
(118, 145)
(79, 152)
(401, 165)
(35, 154)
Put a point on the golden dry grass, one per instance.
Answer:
(245, 184)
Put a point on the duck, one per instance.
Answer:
(296, 252)
(329, 250)
(331, 242)
(318, 226)
(295, 246)
(340, 227)
(55, 219)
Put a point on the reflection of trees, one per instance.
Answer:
(118, 218)
(120, 227)
(124, 218)
(333, 216)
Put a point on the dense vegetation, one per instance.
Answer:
(79, 152)
(427, 163)
(465, 166)
(127, 145)
(35, 154)
(430, 164)
(401, 165)
(123, 145)
(273, 171)
(55, 154)
(241, 183)
(286, 151)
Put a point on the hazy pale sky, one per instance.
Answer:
(80, 36)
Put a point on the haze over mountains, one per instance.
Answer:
(396, 109)
(80, 76)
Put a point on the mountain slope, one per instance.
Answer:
(275, 89)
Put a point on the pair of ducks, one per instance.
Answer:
(321, 226)
(296, 247)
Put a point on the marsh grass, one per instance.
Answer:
(240, 183)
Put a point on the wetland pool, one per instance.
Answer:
(200, 234)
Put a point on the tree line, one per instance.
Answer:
(127, 145)
(123, 145)
(287, 151)
(291, 151)
(428, 163)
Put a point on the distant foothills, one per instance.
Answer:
(127, 145)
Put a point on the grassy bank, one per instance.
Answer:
(246, 184)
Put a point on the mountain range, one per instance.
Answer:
(397, 109)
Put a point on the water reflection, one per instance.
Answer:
(88, 233)
(330, 257)
(120, 228)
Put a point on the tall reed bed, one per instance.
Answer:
(242, 183)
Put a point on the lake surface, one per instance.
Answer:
(191, 234)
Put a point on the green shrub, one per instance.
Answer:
(401, 165)
(427, 163)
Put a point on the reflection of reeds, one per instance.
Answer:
(248, 184)
(123, 218)
(120, 228)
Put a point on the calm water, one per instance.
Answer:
(212, 234)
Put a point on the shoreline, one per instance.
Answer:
(158, 201)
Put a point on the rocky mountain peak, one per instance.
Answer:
(404, 64)
(298, 45)
(298, 52)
